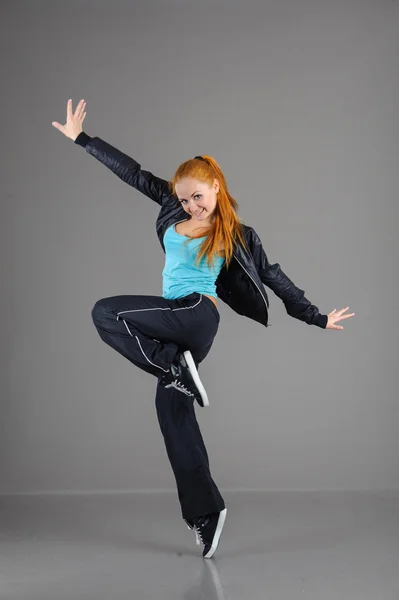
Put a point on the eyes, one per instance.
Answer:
(195, 197)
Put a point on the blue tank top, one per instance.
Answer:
(181, 275)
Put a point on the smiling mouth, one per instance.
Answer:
(200, 213)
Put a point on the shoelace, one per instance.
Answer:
(178, 385)
(198, 536)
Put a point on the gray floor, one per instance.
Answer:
(134, 546)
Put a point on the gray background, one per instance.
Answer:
(298, 101)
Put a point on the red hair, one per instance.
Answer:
(226, 227)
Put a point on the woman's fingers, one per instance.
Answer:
(340, 312)
(58, 126)
(341, 315)
(79, 109)
(346, 316)
(73, 125)
(82, 112)
(69, 109)
(336, 316)
(332, 325)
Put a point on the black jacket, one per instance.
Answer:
(241, 285)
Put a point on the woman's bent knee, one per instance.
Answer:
(100, 310)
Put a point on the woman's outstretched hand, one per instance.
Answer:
(73, 125)
(336, 316)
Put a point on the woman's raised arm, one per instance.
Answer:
(125, 167)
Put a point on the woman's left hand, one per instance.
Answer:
(336, 316)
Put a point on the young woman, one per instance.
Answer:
(210, 254)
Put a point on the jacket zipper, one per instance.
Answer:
(179, 221)
(267, 308)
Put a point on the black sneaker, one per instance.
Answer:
(183, 376)
(208, 530)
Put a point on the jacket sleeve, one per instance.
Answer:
(125, 167)
(294, 300)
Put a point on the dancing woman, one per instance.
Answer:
(210, 254)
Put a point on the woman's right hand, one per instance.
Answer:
(73, 126)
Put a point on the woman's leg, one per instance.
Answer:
(132, 324)
(149, 331)
(197, 492)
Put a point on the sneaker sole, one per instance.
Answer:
(216, 537)
(194, 373)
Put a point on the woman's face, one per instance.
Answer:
(198, 198)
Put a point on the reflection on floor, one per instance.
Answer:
(137, 547)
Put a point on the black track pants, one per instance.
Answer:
(149, 331)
